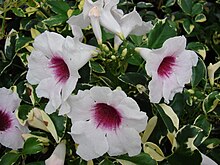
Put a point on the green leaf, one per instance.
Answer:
(169, 117)
(59, 7)
(186, 6)
(23, 112)
(136, 39)
(154, 151)
(32, 146)
(10, 44)
(133, 78)
(18, 12)
(188, 26)
(28, 23)
(22, 42)
(59, 123)
(106, 162)
(140, 159)
(197, 9)
(36, 163)
(170, 3)
(10, 158)
(96, 67)
(199, 73)
(198, 47)
(183, 157)
(55, 20)
(212, 143)
(200, 18)
(135, 59)
(144, 5)
(211, 102)
(203, 123)
(186, 136)
(162, 30)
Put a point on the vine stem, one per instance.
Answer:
(3, 22)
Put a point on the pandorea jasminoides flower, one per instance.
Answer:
(10, 129)
(130, 23)
(106, 121)
(58, 155)
(207, 161)
(54, 65)
(170, 68)
(95, 13)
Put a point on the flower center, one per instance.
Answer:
(6, 120)
(60, 69)
(106, 116)
(166, 66)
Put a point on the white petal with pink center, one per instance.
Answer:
(170, 68)
(110, 117)
(54, 65)
(10, 129)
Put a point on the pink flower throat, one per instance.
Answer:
(6, 120)
(60, 69)
(166, 66)
(106, 116)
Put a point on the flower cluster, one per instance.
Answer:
(107, 114)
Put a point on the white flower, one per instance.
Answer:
(130, 23)
(58, 155)
(106, 121)
(207, 161)
(54, 65)
(170, 68)
(95, 13)
(10, 129)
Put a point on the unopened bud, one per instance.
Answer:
(124, 52)
(105, 47)
(113, 57)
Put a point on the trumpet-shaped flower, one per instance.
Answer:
(110, 117)
(54, 65)
(10, 129)
(170, 68)
(130, 23)
(58, 155)
(96, 14)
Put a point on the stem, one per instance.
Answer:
(3, 23)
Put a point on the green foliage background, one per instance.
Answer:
(197, 107)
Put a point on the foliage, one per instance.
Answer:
(188, 125)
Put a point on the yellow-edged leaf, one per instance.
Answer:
(149, 128)
(154, 151)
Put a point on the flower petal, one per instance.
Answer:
(174, 45)
(81, 105)
(128, 139)
(58, 155)
(155, 86)
(52, 43)
(79, 20)
(9, 100)
(84, 134)
(37, 67)
(107, 20)
(142, 29)
(76, 53)
(100, 94)
(207, 161)
(48, 88)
